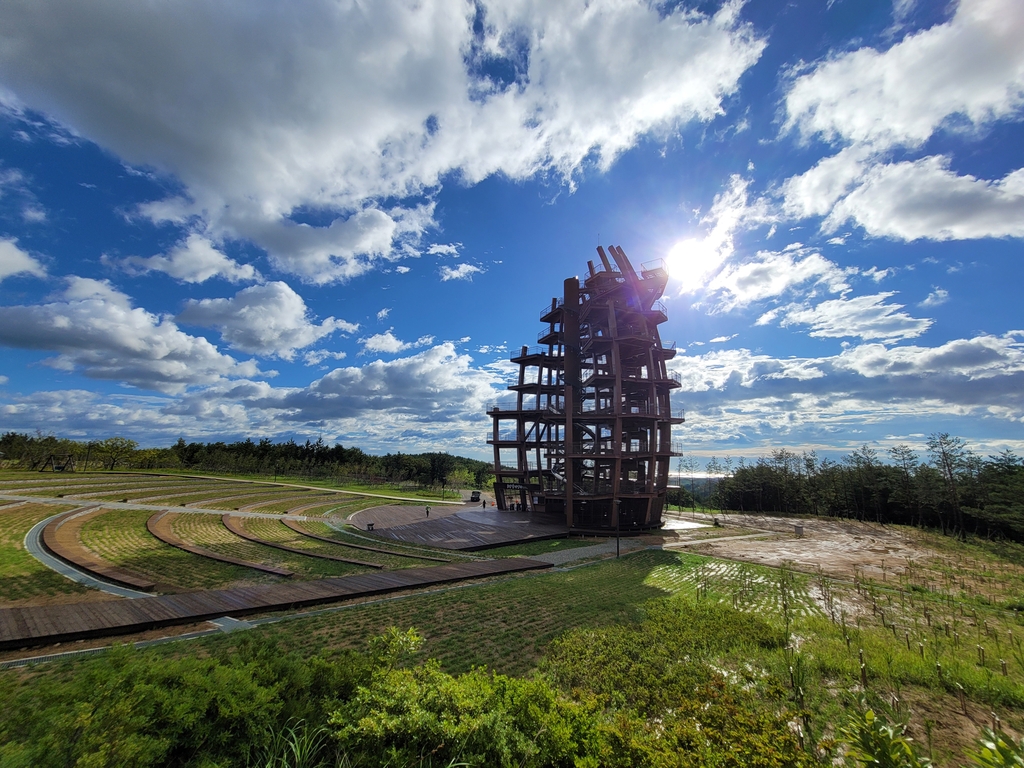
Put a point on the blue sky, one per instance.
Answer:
(287, 220)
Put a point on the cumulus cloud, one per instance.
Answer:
(753, 397)
(14, 261)
(383, 314)
(268, 319)
(769, 275)
(924, 199)
(935, 298)
(864, 317)
(461, 272)
(959, 77)
(433, 397)
(449, 249)
(194, 260)
(390, 344)
(971, 66)
(317, 356)
(95, 329)
(401, 269)
(335, 107)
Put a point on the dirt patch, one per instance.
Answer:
(839, 549)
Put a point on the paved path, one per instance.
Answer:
(607, 547)
(34, 546)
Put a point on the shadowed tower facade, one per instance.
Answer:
(589, 435)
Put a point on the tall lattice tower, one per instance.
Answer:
(590, 433)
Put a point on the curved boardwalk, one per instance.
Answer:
(234, 524)
(61, 538)
(160, 526)
(294, 525)
(43, 625)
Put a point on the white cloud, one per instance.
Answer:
(33, 214)
(14, 261)
(924, 199)
(401, 269)
(461, 272)
(935, 298)
(722, 339)
(383, 314)
(333, 107)
(95, 329)
(865, 317)
(268, 319)
(773, 274)
(971, 67)
(754, 398)
(876, 274)
(958, 77)
(317, 356)
(449, 249)
(3, 380)
(982, 357)
(194, 260)
(390, 344)
(816, 191)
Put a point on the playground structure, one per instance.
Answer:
(589, 434)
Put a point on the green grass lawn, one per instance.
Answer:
(22, 577)
(208, 532)
(530, 548)
(276, 531)
(120, 537)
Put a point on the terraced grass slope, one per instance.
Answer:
(23, 579)
(120, 536)
(207, 531)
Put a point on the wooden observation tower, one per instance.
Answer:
(589, 435)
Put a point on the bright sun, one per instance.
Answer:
(691, 261)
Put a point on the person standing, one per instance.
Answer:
(428, 511)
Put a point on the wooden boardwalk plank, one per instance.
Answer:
(43, 625)
(159, 525)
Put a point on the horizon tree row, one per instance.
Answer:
(314, 460)
(952, 489)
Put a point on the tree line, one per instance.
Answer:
(951, 488)
(313, 460)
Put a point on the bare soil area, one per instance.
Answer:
(841, 549)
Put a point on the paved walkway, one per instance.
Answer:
(34, 546)
(607, 547)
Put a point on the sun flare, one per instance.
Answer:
(691, 261)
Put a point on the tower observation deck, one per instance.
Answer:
(589, 434)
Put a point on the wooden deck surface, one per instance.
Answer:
(44, 625)
(159, 525)
(61, 538)
(465, 529)
(296, 526)
(234, 524)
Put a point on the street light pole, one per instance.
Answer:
(618, 507)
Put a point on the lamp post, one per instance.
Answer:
(618, 506)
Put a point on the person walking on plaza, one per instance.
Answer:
(428, 511)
